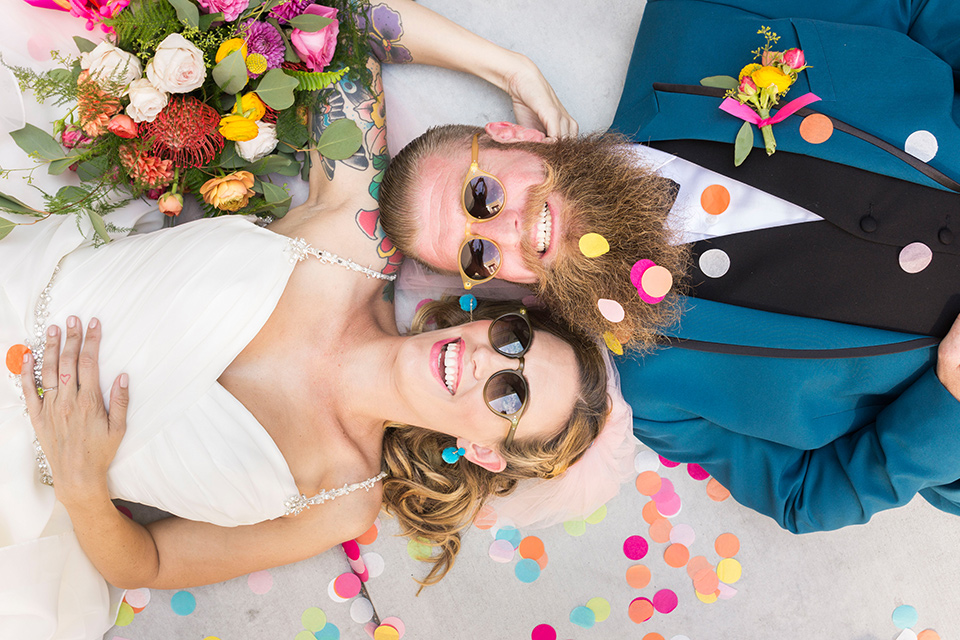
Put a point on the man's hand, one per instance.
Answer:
(948, 360)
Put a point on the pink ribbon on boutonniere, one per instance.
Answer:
(744, 112)
(62, 5)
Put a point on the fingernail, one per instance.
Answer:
(26, 357)
(71, 321)
(124, 380)
(52, 331)
(93, 323)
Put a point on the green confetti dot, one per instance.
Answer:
(125, 615)
(600, 607)
(313, 619)
(418, 550)
(597, 516)
(575, 528)
(304, 635)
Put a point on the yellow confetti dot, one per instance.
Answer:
(597, 516)
(575, 528)
(600, 608)
(729, 570)
(612, 343)
(386, 632)
(710, 599)
(593, 245)
(125, 615)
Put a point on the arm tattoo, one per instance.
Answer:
(386, 29)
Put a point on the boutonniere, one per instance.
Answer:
(758, 89)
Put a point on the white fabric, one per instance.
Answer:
(177, 306)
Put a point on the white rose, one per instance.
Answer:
(112, 64)
(177, 66)
(262, 145)
(146, 101)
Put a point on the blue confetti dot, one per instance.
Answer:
(527, 570)
(183, 603)
(329, 632)
(510, 534)
(905, 616)
(583, 617)
(468, 302)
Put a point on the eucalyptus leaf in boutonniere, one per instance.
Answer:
(758, 89)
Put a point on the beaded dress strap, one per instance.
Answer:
(300, 249)
(298, 503)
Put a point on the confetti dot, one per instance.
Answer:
(928, 634)
(714, 263)
(715, 199)
(611, 310)
(905, 616)
(679, 638)
(374, 563)
(907, 634)
(137, 598)
(370, 536)
(486, 517)
(612, 343)
(542, 561)
(418, 550)
(531, 547)
(706, 581)
(649, 483)
(124, 615)
(656, 281)
(593, 245)
(510, 534)
(725, 591)
(707, 599)
(668, 463)
(122, 509)
(422, 302)
(39, 46)
(665, 601)
(396, 623)
(575, 528)
(716, 491)
(346, 585)
(597, 516)
(361, 611)
(501, 551)
(304, 635)
(646, 461)
(543, 632)
(729, 570)
(183, 603)
(635, 547)
(15, 358)
(260, 582)
(640, 610)
(650, 513)
(330, 631)
(696, 565)
(313, 619)
(727, 545)
(816, 128)
(922, 144)
(653, 636)
(696, 472)
(915, 257)
(682, 534)
(660, 530)
(468, 302)
(386, 632)
(638, 576)
(669, 506)
(600, 608)
(527, 570)
(676, 555)
(583, 617)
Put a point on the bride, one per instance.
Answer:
(264, 385)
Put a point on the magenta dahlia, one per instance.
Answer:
(264, 41)
(289, 9)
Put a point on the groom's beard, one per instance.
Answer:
(606, 193)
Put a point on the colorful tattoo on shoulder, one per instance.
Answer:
(385, 32)
(369, 223)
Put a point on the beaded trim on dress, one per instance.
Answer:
(300, 249)
(298, 503)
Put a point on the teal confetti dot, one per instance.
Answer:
(583, 617)
(510, 534)
(468, 302)
(905, 616)
(330, 631)
(527, 570)
(183, 603)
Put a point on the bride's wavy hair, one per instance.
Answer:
(434, 501)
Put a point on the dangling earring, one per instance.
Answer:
(450, 455)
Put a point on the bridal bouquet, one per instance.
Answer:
(205, 97)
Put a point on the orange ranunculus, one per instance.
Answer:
(766, 76)
(238, 128)
(229, 193)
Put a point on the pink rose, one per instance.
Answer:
(123, 126)
(316, 48)
(747, 86)
(73, 137)
(231, 9)
(794, 59)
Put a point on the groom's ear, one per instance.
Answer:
(489, 459)
(507, 132)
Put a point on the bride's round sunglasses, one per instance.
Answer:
(483, 198)
(506, 391)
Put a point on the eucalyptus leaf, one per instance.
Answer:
(91, 170)
(5, 228)
(720, 82)
(340, 140)
(11, 204)
(230, 74)
(84, 45)
(187, 12)
(208, 19)
(310, 22)
(38, 142)
(281, 208)
(72, 193)
(271, 164)
(276, 89)
(99, 226)
(229, 159)
(58, 166)
(743, 145)
(305, 167)
(272, 193)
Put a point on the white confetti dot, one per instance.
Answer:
(921, 144)
(646, 461)
(138, 598)
(714, 263)
(361, 610)
(333, 594)
(610, 309)
(915, 257)
(907, 634)
(374, 563)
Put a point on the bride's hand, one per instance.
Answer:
(78, 436)
(535, 104)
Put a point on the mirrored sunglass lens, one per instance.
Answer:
(506, 392)
(483, 197)
(479, 259)
(510, 335)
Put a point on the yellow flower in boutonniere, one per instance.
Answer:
(767, 76)
(747, 70)
(250, 106)
(229, 46)
(238, 128)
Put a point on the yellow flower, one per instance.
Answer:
(766, 76)
(238, 128)
(229, 193)
(256, 63)
(252, 107)
(229, 46)
(747, 70)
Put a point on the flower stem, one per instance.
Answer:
(767, 130)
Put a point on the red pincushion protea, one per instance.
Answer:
(185, 132)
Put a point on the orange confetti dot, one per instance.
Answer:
(640, 610)
(727, 545)
(816, 128)
(649, 482)
(715, 199)
(653, 636)
(15, 358)
(531, 547)
(656, 281)
(660, 530)
(696, 565)
(928, 634)
(486, 518)
(716, 491)
(369, 536)
(706, 582)
(638, 576)
(541, 561)
(676, 555)
(650, 513)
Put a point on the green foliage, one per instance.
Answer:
(720, 82)
(743, 144)
(60, 84)
(340, 140)
(291, 130)
(353, 49)
(144, 22)
(315, 81)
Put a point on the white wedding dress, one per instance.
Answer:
(176, 306)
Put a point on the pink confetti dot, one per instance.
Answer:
(668, 463)
(346, 585)
(260, 582)
(665, 601)
(669, 506)
(635, 547)
(682, 534)
(543, 632)
(697, 472)
(423, 302)
(666, 490)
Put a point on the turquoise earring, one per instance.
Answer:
(450, 455)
